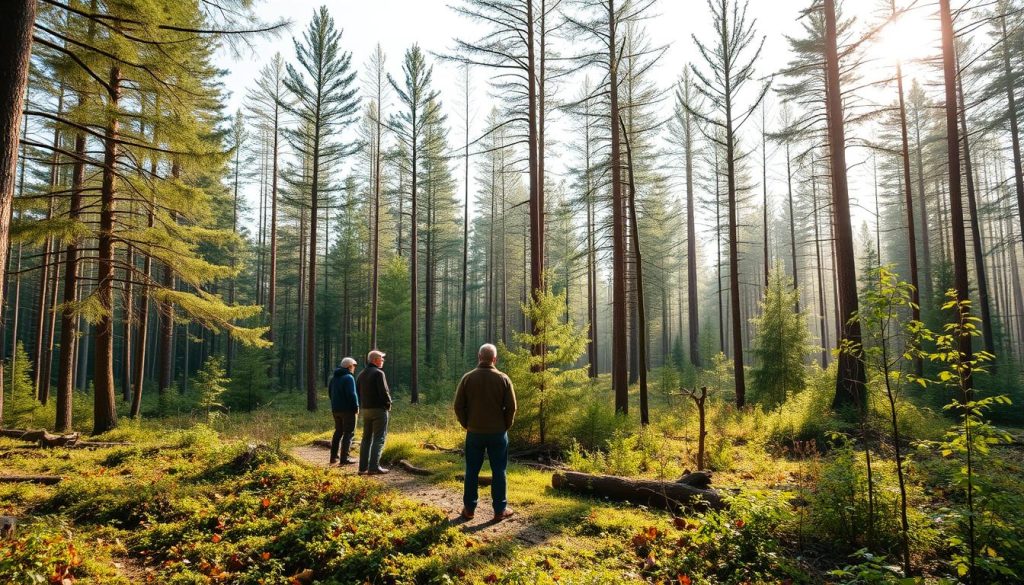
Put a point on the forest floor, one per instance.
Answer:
(521, 526)
(246, 498)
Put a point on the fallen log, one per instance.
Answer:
(40, 437)
(43, 479)
(698, 479)
(410, 468)
(326, 444)
(659, 494)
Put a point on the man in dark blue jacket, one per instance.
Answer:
(345, 408)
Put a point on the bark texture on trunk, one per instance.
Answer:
(18, 17)
(104, 408)
(850, 376)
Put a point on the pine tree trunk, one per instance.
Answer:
(1011, 101)
(979, 251)
(104, 411)
(38, 354)
(272, 284)
(465, 234)
(126, 332)
(926, 251)
(143, 332)
(165, 334)
(764, 189)
(69, 321)
(414, 319)
(734, 264)
(15, 50)
(792, 227)
(693, 305)
(908, 203)
(618, 355)
(822, 325)
(959, 244)
(310, 341)
(850, 376)
(641, 320)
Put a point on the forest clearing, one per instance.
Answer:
(511, 291)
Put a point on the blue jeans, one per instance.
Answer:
(375, 431)
(496, 446)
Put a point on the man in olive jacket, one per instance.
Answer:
(485, 404)
(375, 402)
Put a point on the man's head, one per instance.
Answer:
(348, 364)
(376, 357)
(488, 354)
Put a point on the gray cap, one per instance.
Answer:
(346, 362)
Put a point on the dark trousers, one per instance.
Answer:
(496, 447)
(375, 432)
(344, 430)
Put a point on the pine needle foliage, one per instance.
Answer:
(781, 342)
(539, 379)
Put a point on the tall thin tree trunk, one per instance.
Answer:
(693, 306)
(792, 227)
(926, 251)
(272, 284)
(641, 320)
(850, 376)
(44, 274)
(69, 320)
(734, 264)
(143, 330)
(618, 354)
(908, 202)
(1011, 101)
(104, 410)
(310, 341)
(959, 244)
(988, 336)
(822, 325)
(465, 227)
(414, 329)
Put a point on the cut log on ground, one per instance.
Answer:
(659, 494)
(43, 479)
(483, 480)
(322, 443)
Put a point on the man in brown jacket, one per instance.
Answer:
(485, 404)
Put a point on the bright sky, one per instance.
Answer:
(397, 24)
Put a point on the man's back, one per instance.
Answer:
(485, 401)
(373, 388)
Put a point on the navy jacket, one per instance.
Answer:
(342, 390)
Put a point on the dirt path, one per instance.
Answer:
(520, 526)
